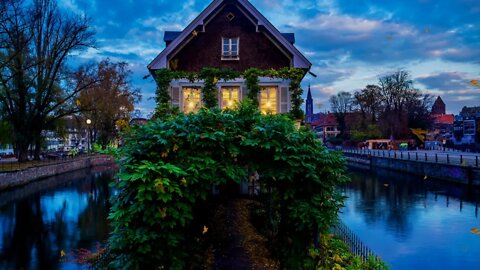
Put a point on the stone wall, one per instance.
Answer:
(18, 178)
(454, 173)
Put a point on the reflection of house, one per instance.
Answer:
(232, 35)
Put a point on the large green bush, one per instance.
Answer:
(169, 166)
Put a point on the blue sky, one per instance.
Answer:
(350, 43)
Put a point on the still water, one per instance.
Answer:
(41, 221)
(412, 222)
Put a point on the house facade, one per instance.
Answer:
(234, 35)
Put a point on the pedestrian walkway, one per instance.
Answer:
(433, 156)
(237, 244)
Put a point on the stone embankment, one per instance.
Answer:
(22, 177)
(464, 174)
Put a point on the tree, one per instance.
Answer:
(369, 102)
(397, 96)
(341, 104)
(36, 86)
(109, 102)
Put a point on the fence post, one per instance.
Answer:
(461, 159)
(408, 155)
(448, 159)
(416, 156)
(395, 154)
(436, 158)
(476, 161)
(426, 157)
(401, 155)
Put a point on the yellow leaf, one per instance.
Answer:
(475, 82)
(62, 253)
(475, 231)
(160, 188)
(184, 180)
(164, 154)
(163, 212)
(205, 229)
(175, 148)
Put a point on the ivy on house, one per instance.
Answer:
(211, 76)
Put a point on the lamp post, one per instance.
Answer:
(89, 139)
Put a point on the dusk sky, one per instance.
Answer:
(350, 43)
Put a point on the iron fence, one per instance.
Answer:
(355, 245)
(461, 159)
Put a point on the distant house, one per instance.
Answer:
(466, 126)
(442, 129)
(230, 34)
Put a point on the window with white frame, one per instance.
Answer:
(268, 99)
(230, 48)
(230, 96)
(192, 99)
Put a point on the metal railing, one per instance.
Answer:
(12, 166)
(355, 245)
(458, 158)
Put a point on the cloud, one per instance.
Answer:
(447, 81)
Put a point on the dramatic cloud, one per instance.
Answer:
(350, 45)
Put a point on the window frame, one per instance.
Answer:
(184, 98)
(227, 55)
(229, 88)
(275, 88)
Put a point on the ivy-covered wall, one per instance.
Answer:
(211, 76)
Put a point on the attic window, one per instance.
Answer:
(230, 16)
(230, 48)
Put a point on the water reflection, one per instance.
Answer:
(36, 227)
(412, 222)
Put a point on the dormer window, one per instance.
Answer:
(230, 48)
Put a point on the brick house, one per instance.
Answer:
(230, 34)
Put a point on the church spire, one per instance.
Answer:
(309, 105)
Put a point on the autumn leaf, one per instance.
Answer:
(175, 148)
(164, 154)
(205, 229)
(184, 181)
(163, 212)
(475, 231)
(62, 253)
(475, 82)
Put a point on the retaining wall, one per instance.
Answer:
(18, 178)
(454, 173)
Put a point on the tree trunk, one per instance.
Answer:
(38, 146)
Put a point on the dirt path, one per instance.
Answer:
(237, 244)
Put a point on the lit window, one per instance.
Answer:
(230, 48)
(191, 99)
(268, 100)
(230, 96)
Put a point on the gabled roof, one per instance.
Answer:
(170, 36)
(161, 61)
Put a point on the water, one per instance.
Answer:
(63, 213)
(413, 223)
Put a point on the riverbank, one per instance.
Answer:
(457, 173)
(18, 178)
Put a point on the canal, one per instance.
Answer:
(411, 222)
(414, 222)
(43, 222)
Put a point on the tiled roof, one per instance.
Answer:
(443, 118)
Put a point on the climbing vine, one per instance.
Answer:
(169, 166)
(211, 76)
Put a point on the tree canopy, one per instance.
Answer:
(36, 85)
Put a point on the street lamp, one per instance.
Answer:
(89, 139)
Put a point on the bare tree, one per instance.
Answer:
(369, 102)
(341, 104)
(36, 86)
